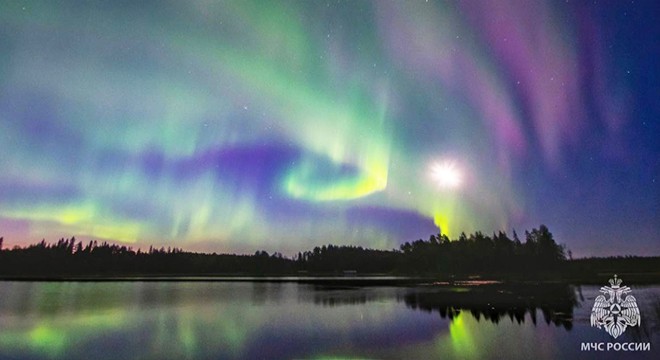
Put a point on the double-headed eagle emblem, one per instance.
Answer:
(614, 313)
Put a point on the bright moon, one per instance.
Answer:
(446, 174)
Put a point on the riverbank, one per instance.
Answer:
(355, 280)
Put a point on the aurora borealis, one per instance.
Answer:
(233, 126)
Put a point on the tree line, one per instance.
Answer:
(484, 254)
(474, 254)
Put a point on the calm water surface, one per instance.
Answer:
(246, 320)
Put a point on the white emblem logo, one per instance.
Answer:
(613, 313)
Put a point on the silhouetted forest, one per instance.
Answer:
(475, 254)
(479, 253)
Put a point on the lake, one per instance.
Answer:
(286, 320)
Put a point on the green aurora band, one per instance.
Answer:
(236, 125)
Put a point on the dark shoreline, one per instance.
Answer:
(357, 280)
(320, 280)
(472, 261)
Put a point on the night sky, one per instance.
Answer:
(241, 126)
